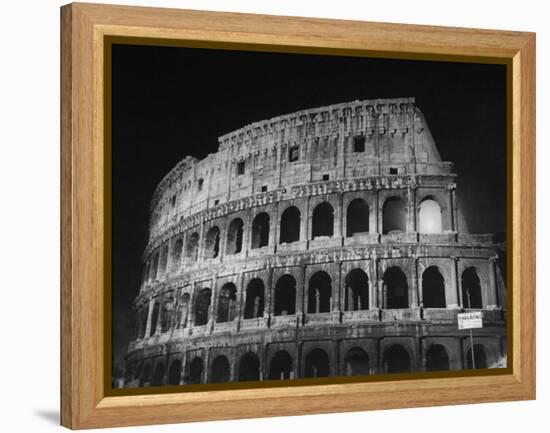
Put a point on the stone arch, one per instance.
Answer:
(174, 373)
(235, 237)
(202, 307)
(437, 358)
(146, 376)
(226, 303)
(260, 230)
(317, 364)
(357, 290)
(356, 362)
(357, 217)
(285, 296)
(319, 293)
(212, 243)
(196, 368)
(396, 292)
(290, 225)
(155, 318)
(281, 366)
(396, 359)
(177, 250)
(471, 288)
(433, 288)
(254, 303)
(480, 357)
(394, 215)
(249, 367)
(158, 376)
(430, 216)
(322, 220)
(220, 371)
(192, 247)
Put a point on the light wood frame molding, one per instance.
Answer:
(84, 403)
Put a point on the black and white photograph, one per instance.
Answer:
(284, 216)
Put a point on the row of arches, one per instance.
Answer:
(317, 364)
(319, 293)
(394, 219)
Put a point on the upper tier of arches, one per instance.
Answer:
(385, 137)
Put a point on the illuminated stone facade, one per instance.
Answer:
(325, 242)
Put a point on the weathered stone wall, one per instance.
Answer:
(283, 249)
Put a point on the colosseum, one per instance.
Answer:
(326, 242)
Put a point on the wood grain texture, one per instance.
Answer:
(83, 400)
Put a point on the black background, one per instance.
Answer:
(171, 102)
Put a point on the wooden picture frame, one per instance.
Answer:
(85, 400)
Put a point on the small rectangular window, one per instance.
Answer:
(393, 170)
(216, 202)
(326, 177)
(240, 168)
(293, 154)
(359, 143)
(264, 188)
(173, 201)
(199, 186)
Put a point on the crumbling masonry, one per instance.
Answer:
(326, 242)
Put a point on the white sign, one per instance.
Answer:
(469, 320)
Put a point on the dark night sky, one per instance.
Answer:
(172, 102)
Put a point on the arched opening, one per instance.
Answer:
(356, 362)
(183, 311)
(319, 293)
(395, 288)
(163, 261)
(357, 217)
(212, 245)
(433, 288)
(154, 267)
(226, 303)
(192, 249)
(155, 318)
(471, 289)
(177, 251)
(202, 305)
(166, 314)
(317, 364)
(357, 290)
(195, 371)
(397, 360)
(249, 368)
(174, 374)
(290, 225)
(479, 357)
(437, 358)
(394, 216)
(235, 237)
(220, 370)
(281, 366)
(429, 217)
(146, 376)
(158, 376)
(285, 296)
(260, 230)
(322, 220)
(254, 304)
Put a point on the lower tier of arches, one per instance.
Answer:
(363, 353)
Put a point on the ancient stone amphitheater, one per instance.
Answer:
(326, 242)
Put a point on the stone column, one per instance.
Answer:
(379, 214)
(300, 291)
(452, 214)
(201, 243)
(168, 268)
(339, 217)
(305, 234)
(192, 302)
(158, 328)
(381, 297)
(492, 297)
(452, 293)
(336, 296)
(415, 284)
(411, 206)
(183, 368)
(269, 295)
(240, 298)
(213, 303)
(149, 317)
